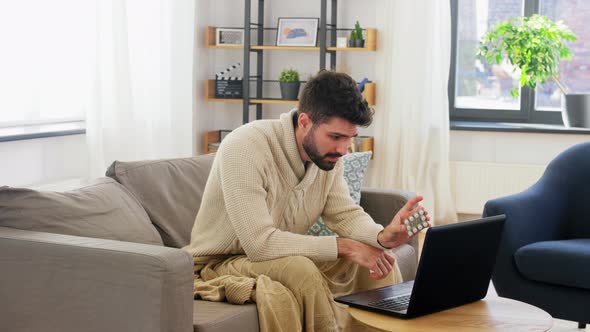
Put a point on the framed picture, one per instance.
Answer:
(295, 31)
(225, 36)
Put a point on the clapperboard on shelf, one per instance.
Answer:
(228, 86)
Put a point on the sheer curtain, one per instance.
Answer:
(141, 96)
(44, 60)
(412, 120)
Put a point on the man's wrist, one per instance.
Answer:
(343, 245)
(380, 240)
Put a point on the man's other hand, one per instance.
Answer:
(376, 260)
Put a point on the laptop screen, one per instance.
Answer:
(456, 264)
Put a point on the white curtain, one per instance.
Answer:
(44, 60)
(141, 100)
(412, 118)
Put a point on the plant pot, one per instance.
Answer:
(290, 90)
(356, 43)
(576, 110)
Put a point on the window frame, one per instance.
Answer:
(40, 122)
(527, 112)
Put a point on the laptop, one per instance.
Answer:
(455, 268)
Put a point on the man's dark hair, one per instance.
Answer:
(333, 94)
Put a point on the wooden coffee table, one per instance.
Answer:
(490, 314)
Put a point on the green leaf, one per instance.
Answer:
(289, 75)
(534, 44)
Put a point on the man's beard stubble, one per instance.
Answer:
(312, 152)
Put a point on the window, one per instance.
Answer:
(481, 92)
(47, 47)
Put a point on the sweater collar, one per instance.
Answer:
(292, 152)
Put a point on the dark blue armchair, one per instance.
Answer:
(544, 255)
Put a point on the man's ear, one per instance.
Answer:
(304, 121)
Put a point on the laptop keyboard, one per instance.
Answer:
(398, 303)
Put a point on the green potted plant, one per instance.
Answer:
(534, 44)
(356, 36)
(289, 82)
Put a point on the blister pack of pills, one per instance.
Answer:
(416, 222)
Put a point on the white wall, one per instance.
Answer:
(488, 165)
(510, 148)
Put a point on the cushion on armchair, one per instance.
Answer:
(355, 167)
(564, 262)
(103, 209)
(170, 191)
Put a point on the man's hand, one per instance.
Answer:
(395, 234)
(376, 260)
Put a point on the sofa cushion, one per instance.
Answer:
(565, 262)
(222, 316)
(170, 190)
(405, 257)
(103, 209)
(355, 167)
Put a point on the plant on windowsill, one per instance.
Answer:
(535, 45)
(356, 36)
(289, 82)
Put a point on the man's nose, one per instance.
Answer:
(343, 147)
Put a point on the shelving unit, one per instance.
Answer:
(255, 77)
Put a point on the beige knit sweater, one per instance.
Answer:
(260, 200)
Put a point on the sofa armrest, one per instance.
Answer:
(53, 282)
(382, 205)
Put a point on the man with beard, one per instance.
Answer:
(269, 183)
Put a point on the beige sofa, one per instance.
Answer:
(106, 257)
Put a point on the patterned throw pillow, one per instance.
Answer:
(355, 166)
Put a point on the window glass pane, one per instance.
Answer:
(45, 63)
(477, 84)
(574, 74)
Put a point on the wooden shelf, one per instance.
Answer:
(210, 96)
(369, 95)
(370, 44)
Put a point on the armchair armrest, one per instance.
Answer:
(382, 205)
(53, 282)
(536, 214)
